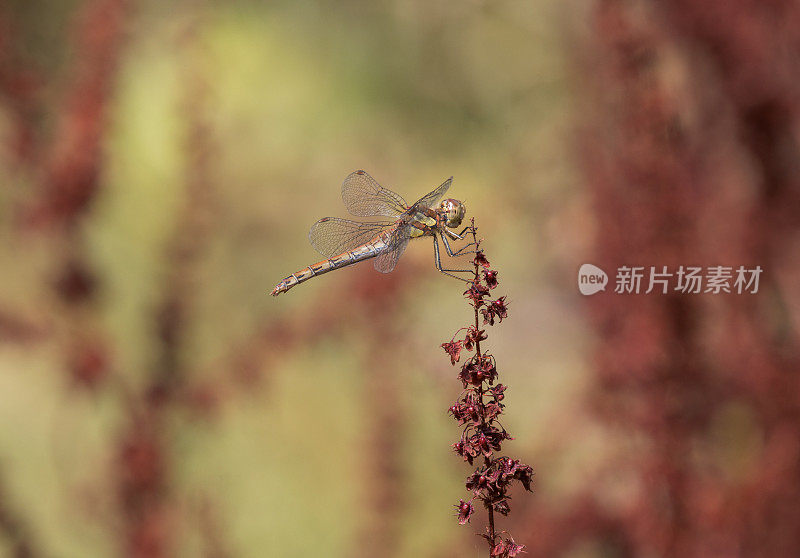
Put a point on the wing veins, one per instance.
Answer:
(331, 236)
(429, 200)
(364, 197)
(387, 260)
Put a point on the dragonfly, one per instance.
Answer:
(344, 242)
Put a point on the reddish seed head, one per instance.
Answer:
(490, 275)
(465, 510)
(497, 391)
(480, 259)
(453, 348)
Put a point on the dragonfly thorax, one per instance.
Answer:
(453, 212)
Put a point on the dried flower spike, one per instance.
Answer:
(478, 409)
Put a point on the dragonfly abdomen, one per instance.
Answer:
(363, 252)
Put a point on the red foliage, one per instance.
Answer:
(692, 158)
(74, 165)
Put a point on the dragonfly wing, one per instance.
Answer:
(387, 260)
(331, 236)
(429, 200)
(364, 197)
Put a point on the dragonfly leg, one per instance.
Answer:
(453, 235)
(460, 235)
(458, 252)
(438, 261)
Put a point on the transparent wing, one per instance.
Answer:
(364, 197)
(331, 236)
(386, 261)
(429, 200)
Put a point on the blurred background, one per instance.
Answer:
(161, 163)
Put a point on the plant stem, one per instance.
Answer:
(492, 535)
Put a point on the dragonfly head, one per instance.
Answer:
(453, 212)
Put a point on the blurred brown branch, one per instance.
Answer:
(74, 160)
(145, 451)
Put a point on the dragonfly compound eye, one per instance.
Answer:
(454, 212)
